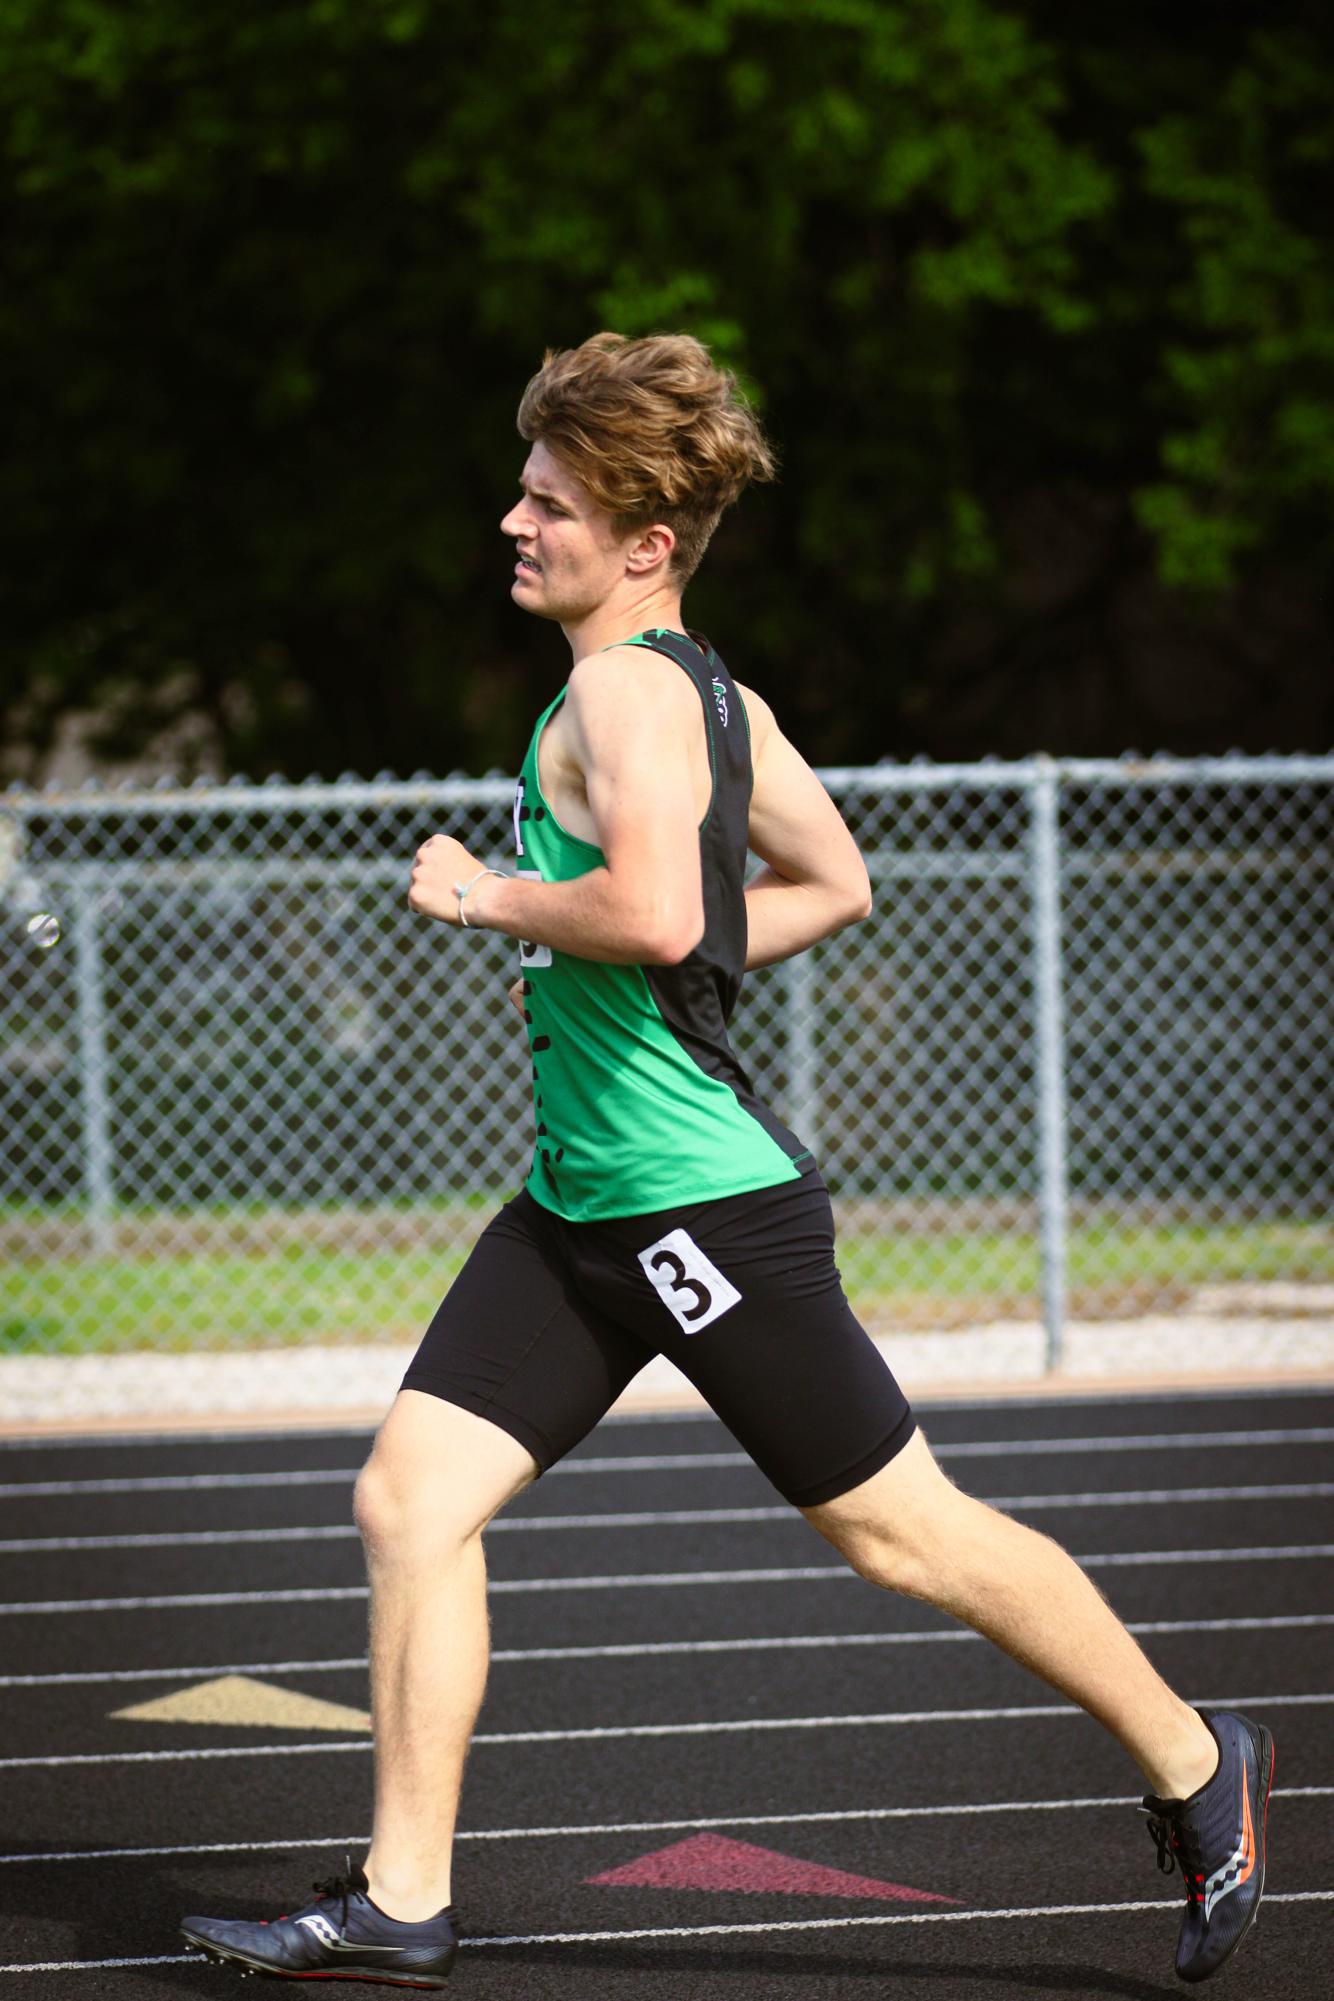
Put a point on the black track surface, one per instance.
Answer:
(291, 1814)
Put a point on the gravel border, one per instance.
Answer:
(53, 1392)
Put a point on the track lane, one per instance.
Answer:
(930, 1766)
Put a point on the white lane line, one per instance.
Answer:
(174, 1483)
(1144, 1497)
(634, 1650)
(641, 1649)
(587, 1830)
(100, 1965)
(93, 1678)
(1313, 1490)
(150, 1439)
(650, 1580)
(1252, 1395)
(878, 1918)
(1286, 1553)
(178, 1483)
(1160, 1441)
(189, 1599)
(1160, 1904)
(335, 1476)
(671, 1462)
(620, 1732)
(1163, 1904)
(190, 1539)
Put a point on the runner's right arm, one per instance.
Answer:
(630, 714)
(814, 880)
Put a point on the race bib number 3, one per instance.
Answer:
(694, 1291)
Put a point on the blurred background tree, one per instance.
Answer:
(1039, 307)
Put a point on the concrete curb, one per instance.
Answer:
(43, 1395)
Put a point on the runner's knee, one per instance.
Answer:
(404, 1511)
(435, 1478)
(888, 1560)
(895, 1529)
(386, 1512)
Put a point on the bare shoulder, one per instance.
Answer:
(631, 708)
(627, 667)
(761, 720)
(656, 686)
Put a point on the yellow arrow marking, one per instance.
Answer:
(240, 1700)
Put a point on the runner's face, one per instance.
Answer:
(569, 558)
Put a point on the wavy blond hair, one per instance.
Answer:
(652, 431)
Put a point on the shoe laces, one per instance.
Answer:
(1177, 1841)
(340, 1889)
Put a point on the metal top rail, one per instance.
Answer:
(921, 775)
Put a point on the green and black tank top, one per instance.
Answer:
(640, 1100)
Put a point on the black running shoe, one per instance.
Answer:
(1217, 1837)
(341, 1936)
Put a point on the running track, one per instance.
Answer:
(677, 1656)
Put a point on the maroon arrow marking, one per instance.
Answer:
(712, 1862)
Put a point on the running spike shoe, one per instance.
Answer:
(1217, 1840)
(341, 1936)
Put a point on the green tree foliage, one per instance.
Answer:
(272, 280)
(1250, 449)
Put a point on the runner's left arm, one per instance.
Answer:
(814, 880)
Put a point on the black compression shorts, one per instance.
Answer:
(549, 1320)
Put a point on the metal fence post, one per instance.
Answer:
(1116, 1125)
(94, 1091)
(1049, 1054)
(803, 1108)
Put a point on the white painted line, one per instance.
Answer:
(669, 1462)
(1152, 1497)
(186, 1673)
(1315, 1490)
(588, 1830)
(640, 1649)
(632, 1581)
(150, 1439)
(190, 1539)
(342, 1841)
(333, 1749)
(1288, 1552)
(98, 1965)
(1164, 1905)
(176, 1483)
(946, 1636)
(620, 1732)
(187, 1599)
(1162, 1441)
(1160, 1904)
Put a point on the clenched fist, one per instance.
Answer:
(442, 866)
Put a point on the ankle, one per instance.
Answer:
(408, 1900)
(1191, 1763)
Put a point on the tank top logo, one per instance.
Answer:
(518, 816)
(720, 701)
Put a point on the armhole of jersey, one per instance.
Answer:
(713, 755)
(649, 642)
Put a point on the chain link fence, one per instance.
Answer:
(1078, 1062)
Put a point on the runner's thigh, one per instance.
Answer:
(744, 1296)
(515, 1343)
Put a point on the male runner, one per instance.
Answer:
(667, 1209)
